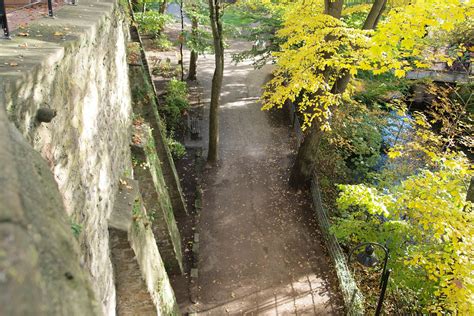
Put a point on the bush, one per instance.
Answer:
(380, 89)
(426, 223)
(176, 89)
(152, 23)
(355, 141)
(176, 103)
(165, 69)
(177, 149)
(161, 42)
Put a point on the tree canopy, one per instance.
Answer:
(318, 49)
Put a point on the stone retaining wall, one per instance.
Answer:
(40, 271)
(66, 89)
(76, 65)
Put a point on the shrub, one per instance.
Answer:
(165, 69)
(176, 103)
(176, 89)
(355, 141)
(380, 89)
(161, 42)
(152, 23)
(177, 149)
(426, 223)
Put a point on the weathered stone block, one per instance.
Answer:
(121, 216)
(147, 168)
(152, 266)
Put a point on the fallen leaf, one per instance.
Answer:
(58, 34)
(23, 34)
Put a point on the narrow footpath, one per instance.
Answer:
(260, 250)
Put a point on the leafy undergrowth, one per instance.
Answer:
(175, 108)
(152, 22)
(414, 202)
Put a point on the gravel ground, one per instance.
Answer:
(261, 253)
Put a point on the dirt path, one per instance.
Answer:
(260, 253)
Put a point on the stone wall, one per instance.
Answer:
(75, 67)
(158, 176)
(40, 271)
(80, 73)
(147, 167)
(142, 285)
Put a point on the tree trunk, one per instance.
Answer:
(163, 6)
(470, 191)
(193, 66)
(370, 23)
(181, 40)
(308, 150)
(374, 15)
(304, 163)
(216, 26)
(307, 153)
(333, 8)
(194, 55)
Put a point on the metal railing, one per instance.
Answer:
(4, 17)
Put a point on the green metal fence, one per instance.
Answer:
(352, 296)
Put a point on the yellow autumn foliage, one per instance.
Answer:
(428, 227)
(318, 49)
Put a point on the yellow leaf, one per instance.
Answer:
(392, 154)
(399, 73)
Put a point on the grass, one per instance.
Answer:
(235, 18)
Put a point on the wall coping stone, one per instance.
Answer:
(121, 216)
(49, 40)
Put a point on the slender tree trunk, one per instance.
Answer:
(370, 23)
(308, 151)
(194, 55)
(163, 6)
(374, 15)
(181, 40)
(216, 26)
